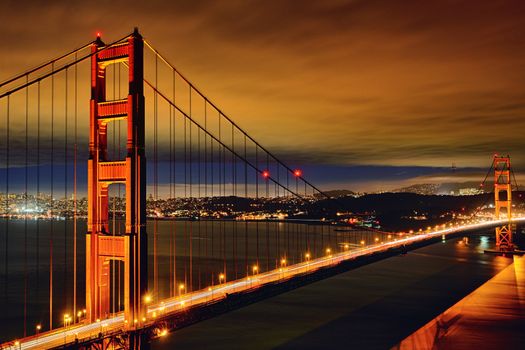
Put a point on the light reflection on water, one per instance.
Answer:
(215, 245)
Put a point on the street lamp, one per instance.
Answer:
(255, 269)
(283, 262)
(147, 298)
(222, 278)
(67, 322)
(181, 288)
(38, 328)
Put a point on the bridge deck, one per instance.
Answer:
(172, 306)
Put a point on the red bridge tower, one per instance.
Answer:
(102, 246)
(503, 200)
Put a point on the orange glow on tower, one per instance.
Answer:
(102, 246)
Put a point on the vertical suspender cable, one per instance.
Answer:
(257, 201)
(267, 221)
(25, 216)
(169, 201)
(223, 222)
(191, 200)
(51, 201)
(212, 185)
(174, 190)
(155, 184)
(38, 203)
(234, 193)
(289, 212)
(7, 211)
(65, 190)
(186, 245)
(246, 199)
(75, 191)
(206, 185)
(199, 198)
(275, 224)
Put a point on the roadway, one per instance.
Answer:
(64, 335)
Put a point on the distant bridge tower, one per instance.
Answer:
(102, 246)
(503, 202)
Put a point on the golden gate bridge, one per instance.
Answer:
(193, 151)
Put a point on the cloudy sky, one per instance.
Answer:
(380, 92)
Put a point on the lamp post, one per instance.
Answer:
(38, 328)
(281, 269)
(255, 270)
(67, 322)
(307, 258)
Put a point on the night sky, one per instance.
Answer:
(379, 94)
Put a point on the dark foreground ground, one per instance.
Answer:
(372, 307)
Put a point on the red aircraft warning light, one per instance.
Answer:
(298, 172)
(265, 174)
